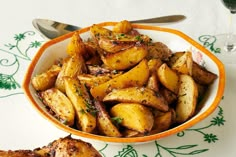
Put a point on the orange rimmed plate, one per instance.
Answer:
(174, 39)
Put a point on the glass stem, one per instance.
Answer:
(230, 44)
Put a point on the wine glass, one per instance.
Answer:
(226, 43)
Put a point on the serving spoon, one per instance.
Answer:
(50, 29)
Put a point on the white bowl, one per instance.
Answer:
(174, 39)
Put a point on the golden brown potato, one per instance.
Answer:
(92, 80)
(97, 31)
(76, 45)
(128, 79)
(139, 95)
(202, 75)
(47, 79)
(114, 45)
(153, 82)
(168, 77)
(162, 122)
(71, 67)
(159, 50)
(184, 64)
(104, 122)
(122, 27)
(84, 109)
(187, 98)
(124, 59)
(174, 57)
(60, 105)
(137, 118)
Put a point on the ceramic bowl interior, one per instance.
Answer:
(174, 39)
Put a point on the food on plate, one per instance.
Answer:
(120, 83)
(59, 104)
(82, 103)
(67, 146)
(137, 118)
(187, 98)
(139, 95)
(168, 77)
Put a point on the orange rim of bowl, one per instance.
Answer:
(148, 138)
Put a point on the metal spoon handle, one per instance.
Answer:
(163, 19)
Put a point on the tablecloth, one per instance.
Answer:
(21, 127)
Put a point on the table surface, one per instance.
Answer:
(23, 128)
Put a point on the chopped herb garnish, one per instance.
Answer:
(116, 120)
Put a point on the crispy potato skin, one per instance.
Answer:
(159, 50)
(47, 79)
(202, 75)
(80, 99)
(137, 118)
(76, 45)
(105, 125)
(125, 59)
(187, 98)
(73, 66)
(139, 95)
(184, 64)
(60, 105)
(114, 46)
(128, 79)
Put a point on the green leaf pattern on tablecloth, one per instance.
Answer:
(18, 52)
(12, 61)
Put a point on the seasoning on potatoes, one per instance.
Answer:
(59, 104)
(139, 95)
(134, 116)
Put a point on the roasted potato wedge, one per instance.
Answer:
(92, 80)
(153, 82)
(104, 122)
(175, 56)
(128, 79)
(168, 77)
(138, 117)
(71, 67)
(84, 109)
(124, 59)
(60, 105)
(46, 79)
(97, 31)
(76, 45)
(187, 98)
(159, 50)
(202, 75)
(169, 96)
(113, 45)
(122, 27)
(139, 95)
(162, 122)
(184, 64)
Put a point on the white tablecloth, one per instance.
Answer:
(21, 127)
